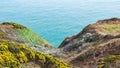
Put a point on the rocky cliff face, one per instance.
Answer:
(96, 46)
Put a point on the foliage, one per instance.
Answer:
(3, 47)
(21, 57)
(13, 54)
(14, 48)
(2, 34)
(26, 34)
(31, 37)
(7, 59)
(110, 59)
(110, 28)
(102, 64)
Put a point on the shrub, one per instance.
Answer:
(22, 57)
(3, 47)
(14, 48)
(102, 64)
(13, 54)
(109, 60)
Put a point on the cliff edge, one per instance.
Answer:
(22, 48)
(96, 46)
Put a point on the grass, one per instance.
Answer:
(31, 37)
(26, 34)
(110, 28)
(109, 61)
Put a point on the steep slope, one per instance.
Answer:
(22, 48)
(22, 34)
(96, 46)
(17, 55)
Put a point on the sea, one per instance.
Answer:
(54, 20)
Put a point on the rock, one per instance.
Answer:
(95, 41)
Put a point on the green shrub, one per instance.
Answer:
(14, 48)
(110, 59)
(102, 64)
(21, 57)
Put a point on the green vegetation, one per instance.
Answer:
(26, 34)
(110, 28)
(13, 55)
(2, 34)
(31, 37)
(110, 59)
(102, 64)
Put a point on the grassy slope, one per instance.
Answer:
(13, 54)
(28, 35)
(110, 28)
(31, 37)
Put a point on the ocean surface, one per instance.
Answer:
(56, 19)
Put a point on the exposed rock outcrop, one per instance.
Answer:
(93, 44)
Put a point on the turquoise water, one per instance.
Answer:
(56, 19)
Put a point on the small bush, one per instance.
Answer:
(109, 60)
(14, 48)
(13, 54)
(22, 57)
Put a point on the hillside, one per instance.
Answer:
(19, 33)
(22, 48)
(17, 55)
(96, 46)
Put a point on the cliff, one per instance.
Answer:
(96, 46)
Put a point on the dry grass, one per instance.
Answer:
(110, 28)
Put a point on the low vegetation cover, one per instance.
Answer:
(110, 28)
(13, 55)
(26, 34)
(31, 37)
(111, 60)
